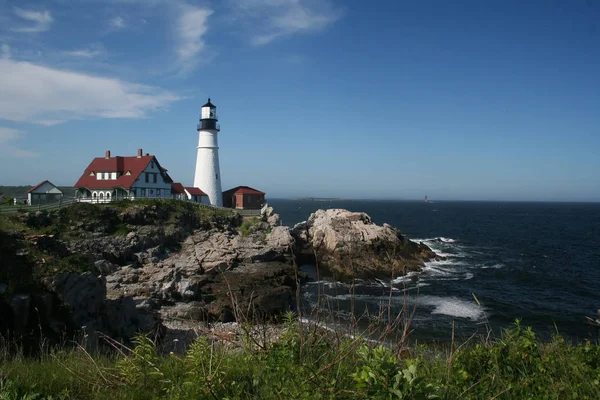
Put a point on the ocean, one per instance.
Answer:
(538, 262)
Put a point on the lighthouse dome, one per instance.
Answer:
(209, 104)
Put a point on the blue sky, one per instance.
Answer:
(468, 100)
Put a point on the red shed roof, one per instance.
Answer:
(195, 191)
(129, 169)
(177, 188)
(244, 190)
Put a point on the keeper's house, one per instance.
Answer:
(114, 178)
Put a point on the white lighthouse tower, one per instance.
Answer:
(208, 177)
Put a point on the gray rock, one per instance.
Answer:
(350, 245)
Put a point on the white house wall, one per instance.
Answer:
(140, 183)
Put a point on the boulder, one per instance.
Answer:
(350, 245)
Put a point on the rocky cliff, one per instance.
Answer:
(169, 267)
(140, 267)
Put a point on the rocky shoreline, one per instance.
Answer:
(175, 274)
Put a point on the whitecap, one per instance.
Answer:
(447, 240)
(453, 307)
(495, 266)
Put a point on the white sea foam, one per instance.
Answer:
(453, 307)
(495, 266)
(404, 278)
(435, 239)
(333, 284)
(447, 240)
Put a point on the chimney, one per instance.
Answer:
(139, 153)
(107, 154)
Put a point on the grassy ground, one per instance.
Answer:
(311, 364)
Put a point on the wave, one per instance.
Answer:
(441, 239)
(495, 266)
(453, 307)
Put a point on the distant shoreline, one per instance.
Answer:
(320, 199)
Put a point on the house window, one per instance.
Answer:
(128, 173)
(152, 165)
(157, 192)
(147, 177)
(143, 192)
(154, 178)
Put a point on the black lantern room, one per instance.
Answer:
(208, 117)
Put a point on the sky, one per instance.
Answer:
(387, 99)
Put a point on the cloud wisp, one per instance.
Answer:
(117, 23)
(43, 95)
(91, 51)
(9, 135)
(191, 26)
(267, 20)
(41, 20)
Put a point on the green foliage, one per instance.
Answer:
(307, 363)
(380, 376)
(247, 225)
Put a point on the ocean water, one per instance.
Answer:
(539, 262)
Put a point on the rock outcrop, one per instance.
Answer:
(216, 275)
(350, 245)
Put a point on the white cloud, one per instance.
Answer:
(268, 20)
(92, 51)
(117, 23)
(48, 96)
(8, 135)
(5, 51)
(41, 20)
(192, 25)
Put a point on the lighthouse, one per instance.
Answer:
(207, 176)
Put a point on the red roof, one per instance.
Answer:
(40, 184)
(177, 188)
(193, 191)
(243, 190)
(123, 165)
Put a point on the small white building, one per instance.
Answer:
(196, 195)
(114, 178)
(43, 193)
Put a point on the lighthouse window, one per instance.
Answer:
(217, 176)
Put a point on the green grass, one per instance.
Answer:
(247, 225)
(311, 364)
